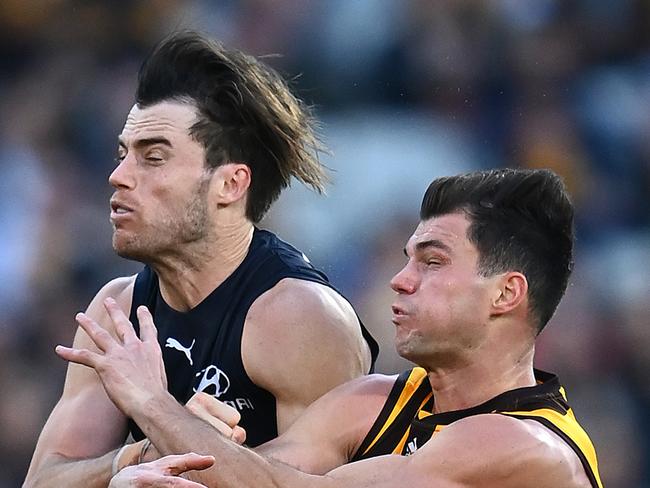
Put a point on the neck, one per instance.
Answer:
(478, 381)
(188, 277)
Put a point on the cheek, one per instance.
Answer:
(451, 300)
(470, 302)
(167, 201)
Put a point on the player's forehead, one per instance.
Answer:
(168, 119)
(446, 231)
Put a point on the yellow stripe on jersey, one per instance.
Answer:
(412, 383)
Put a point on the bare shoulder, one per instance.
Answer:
(292, 297)
(360, 402)
(373, 387)
(298, 315)
(497, 450)
(120, 289)
(300, 340)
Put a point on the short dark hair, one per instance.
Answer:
(246, 111)
(520, 220)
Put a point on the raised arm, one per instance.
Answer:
(300, 340)
(79, 440)
(129, 368)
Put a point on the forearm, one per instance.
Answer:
(58, 471)
(174, 430)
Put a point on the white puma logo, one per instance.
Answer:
(174, 344)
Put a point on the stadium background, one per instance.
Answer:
(407, 90)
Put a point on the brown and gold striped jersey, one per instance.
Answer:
(406, 422)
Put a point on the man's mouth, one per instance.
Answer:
(398, 314)
(119, 210)
(120, 207)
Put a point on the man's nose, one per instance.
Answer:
(122, 175)
(405, 281)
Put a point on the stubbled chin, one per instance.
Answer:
(124, 246)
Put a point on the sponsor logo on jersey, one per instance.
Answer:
(213, 381)
(216, 383)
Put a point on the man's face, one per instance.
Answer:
(443, 305)
(161, 183)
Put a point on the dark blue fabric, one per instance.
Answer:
(209, 335)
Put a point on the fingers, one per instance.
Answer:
(220, 416)
(215, 408)
(238, 435)
(149, 335)
(79, 356)
(180, 463)
(167, 482)
(123, 326)
(162, 473)
(148, 331)
(97, 334)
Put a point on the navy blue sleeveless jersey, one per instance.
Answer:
(202, 347)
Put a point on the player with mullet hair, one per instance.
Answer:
(213, 138)
(485, 269)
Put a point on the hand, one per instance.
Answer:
(219, 415)
(162, 473)
(130, 368)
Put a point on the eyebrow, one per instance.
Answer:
(149, 141)
(435, 243)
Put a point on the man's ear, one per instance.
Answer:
(512, 291)
(233, 181)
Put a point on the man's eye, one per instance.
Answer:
(154, 158)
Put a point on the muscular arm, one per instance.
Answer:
(76, 446)
(310, 444)
(129, 368)
(487, 451)
(480, 451)
(313, 445)
(300, 340)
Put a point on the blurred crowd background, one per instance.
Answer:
(406, 90)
